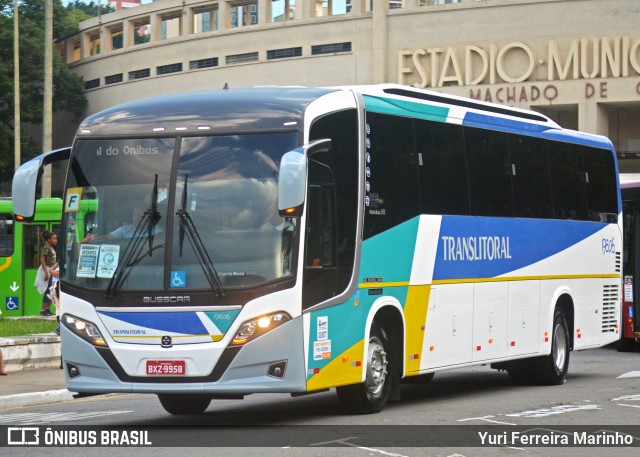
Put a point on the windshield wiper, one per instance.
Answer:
(187, 225)
(135, 245)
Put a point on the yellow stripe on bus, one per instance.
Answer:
(6, 264)
(526, 278)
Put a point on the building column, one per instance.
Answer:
(224, 16)
(106, 40)
(264, 12)
(156, 28)
(357, 7)
(85, 45)
(593, 117)
(379, 42)
(187, 22)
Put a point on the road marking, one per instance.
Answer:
(485, 419)
(627, 398)
(345, 442)
(630, 406)
(631, 374)
(562, 409)
(46, 418)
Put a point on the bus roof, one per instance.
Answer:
(225, 110)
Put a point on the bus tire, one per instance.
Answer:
(184, 405)
(625, 344)
(551, 370)
(372, 395)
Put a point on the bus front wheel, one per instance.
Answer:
(552, 369)
(372, 395)
(183, 405)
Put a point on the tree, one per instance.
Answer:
(68, 94)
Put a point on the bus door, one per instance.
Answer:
(10, 277)
(32, 243)
(631, 275)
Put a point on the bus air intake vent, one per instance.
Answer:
(618, 263)
(610, 299)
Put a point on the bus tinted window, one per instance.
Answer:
(6, 235)
(444, 186)
(489, 172)
(567, 181)
(531, 179)
(601, 185)
(391, 173)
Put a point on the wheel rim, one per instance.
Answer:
(559, 347)
(376, 367)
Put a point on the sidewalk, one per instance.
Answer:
(33, 387)
(35, 377)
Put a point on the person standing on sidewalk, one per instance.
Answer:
(48, 262)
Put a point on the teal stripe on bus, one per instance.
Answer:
(405, 108)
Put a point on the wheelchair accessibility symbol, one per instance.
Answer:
(12, 303)
(178, 279)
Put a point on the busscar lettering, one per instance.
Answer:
(167, 299)
(476, 248)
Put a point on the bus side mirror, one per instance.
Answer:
(292, 178)
(25, 182)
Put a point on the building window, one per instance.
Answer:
(142, 32)
(92, 84)
(139, 74)
(171, 26)
(205, 19)
(94, 45)
(331, 48)
(242, 58)
(203, 63)
(113, 79)
(283, 10)
(171, 68)
(117, 39)
(284, 53)
(243, 15)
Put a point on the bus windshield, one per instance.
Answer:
(212, 223)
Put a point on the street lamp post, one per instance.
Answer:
(16, 87)
(48, 93)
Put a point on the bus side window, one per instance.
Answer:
(6, 235)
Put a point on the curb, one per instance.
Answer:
(35, 398)
(31, 351)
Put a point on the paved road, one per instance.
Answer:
(603, 390)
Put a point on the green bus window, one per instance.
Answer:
(6, 235)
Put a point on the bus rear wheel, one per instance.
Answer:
(184, 405)
(372, 395)
(551, 370)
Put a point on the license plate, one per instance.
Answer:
(166, 367)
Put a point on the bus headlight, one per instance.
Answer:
(254, 328)
(84, 329)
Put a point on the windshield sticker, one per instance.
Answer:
(178, 279)
(88, 261)
(72, 202)
(108, 260)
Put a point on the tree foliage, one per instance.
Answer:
(68, 88)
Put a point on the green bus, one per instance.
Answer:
(20, 245)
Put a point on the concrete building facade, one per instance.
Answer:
(577, 61)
